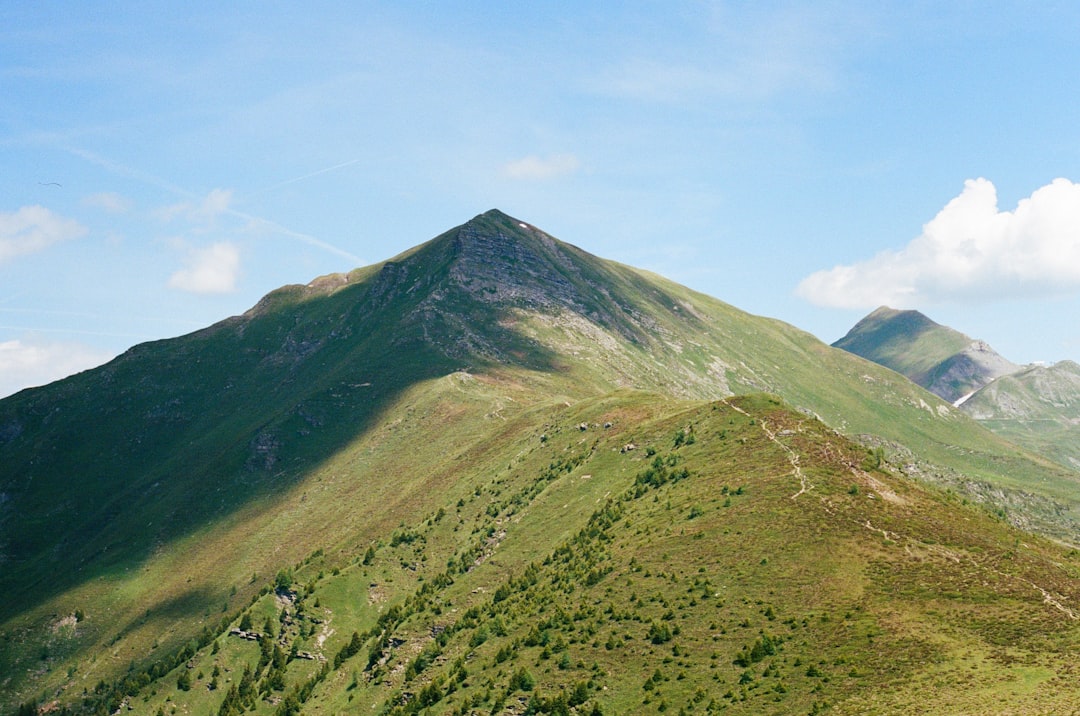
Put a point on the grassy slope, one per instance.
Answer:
(1032, 407)
(860, 397)
(1038, 407)
(371, 423)
(906, 341)
(872, 591)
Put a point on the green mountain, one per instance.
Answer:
(1038, 406)
(497, 474)
(940, 359)
(1034, 406)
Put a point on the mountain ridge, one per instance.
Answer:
(944, 361)
(1031, 405)
(1037, 406)
(344, 415)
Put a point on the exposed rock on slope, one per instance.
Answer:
(959, 375)
(940, 359)
(1038, 407)
(422, 398)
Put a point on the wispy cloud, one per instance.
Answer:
(32, 229)
(970, 251)
(535, 167)
(215, 203)
(108, 201)
(301, 178)
(654, 80)
(128, 172)
(212, 269)
(204, 211)
(255, 222)
(36, 361)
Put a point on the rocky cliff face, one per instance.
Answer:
(962, 374)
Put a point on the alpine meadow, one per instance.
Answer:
(496, 474)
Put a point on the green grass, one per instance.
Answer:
(705, 591)
(906, 341)
(158, 495)
(1038, 407)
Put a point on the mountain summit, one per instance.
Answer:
(942, 360)
(1036, 406)
(496, 473)
(497, 264)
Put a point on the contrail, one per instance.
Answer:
(130, 172)
(160, 183)
(306, 238)
(302, 178)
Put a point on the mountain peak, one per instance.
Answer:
(943, 360)
(495, 215)
(908, 322)
(498, 258)
(476, 370)
(493, 229)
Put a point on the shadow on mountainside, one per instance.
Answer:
(101, 470)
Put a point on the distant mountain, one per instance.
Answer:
(497, 474)
(1038, 406)
(940, 359)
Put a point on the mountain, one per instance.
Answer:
(1038, 407)
(1034, 406)
(519, 475)
(940, 359)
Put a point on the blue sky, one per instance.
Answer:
(163, 169)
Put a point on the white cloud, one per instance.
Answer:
(213, 269)
(32, 229)
(534, 167)
(970, 251)
(203, 212)
(215, 204)
(108, 201)
(31, 362)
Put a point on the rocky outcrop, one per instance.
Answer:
(964, 373)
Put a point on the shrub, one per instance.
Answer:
(659, 633)
(521, 680)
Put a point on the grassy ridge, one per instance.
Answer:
(1037, 407)
(698, 572)
(1034, 406)
(942, 360)
(906, 341)
(149, 501)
